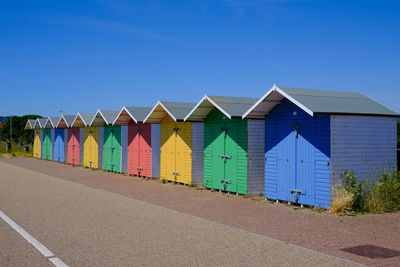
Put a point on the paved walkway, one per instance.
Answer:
(84, 226)
(306, 228)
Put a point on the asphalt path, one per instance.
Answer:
(84, 226)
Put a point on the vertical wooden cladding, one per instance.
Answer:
(297, 153)
(59, 145)
(112, 148)
(37, 144)
(176, 151)
(90, 147)
(47, 146)
(73, 146)
(139, 149)
(225, 153)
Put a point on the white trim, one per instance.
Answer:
(154, 108)
(169, 113)
(130, 114)
(80, 116)
(94, 117)
(28, 122)
(65, 120)
(49, 119)
(40, 125)
(280, 91)
(218, 107)
(101, 114)
(119, 114)
(259, 101)
(295, 101)
(205, 97)
(59, 120)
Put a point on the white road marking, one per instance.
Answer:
(42, 249)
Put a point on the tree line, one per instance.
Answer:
(19, 134)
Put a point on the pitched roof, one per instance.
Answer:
(319, 102)
(138, 114)
(104, 117)
(30, 124)
(230, 106)
(177, 111)
(67, 119)
(41, 122)
(51, 122)
(82, 119)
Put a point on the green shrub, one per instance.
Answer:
(354, 186)
(380, 196)
(384, 195)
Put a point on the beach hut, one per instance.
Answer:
(115, 148)
(89, 140)
(73, 138)
(143, 141)
(37, 140)
(312, 136)
(30, 125)
(181, 142)
(61, 137)
(45, 136)
(50, 126)
(233, 147)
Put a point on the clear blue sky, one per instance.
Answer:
(77, 56)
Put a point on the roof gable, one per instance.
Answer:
(65, 121)
(319, 102)
(230, 106)
(137, 114)
(82, 119)
(177, 111)
(30, 124)
(104, 117)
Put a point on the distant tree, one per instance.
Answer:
(19, 134)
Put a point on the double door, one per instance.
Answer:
(36, 144)
(227, 155)
(59, 145)
(176, 151)
(47, 144)
(112, 148)
(139, 149)
(73, 146)
(90, 147)
(295, 170)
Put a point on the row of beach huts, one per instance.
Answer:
(291, 144)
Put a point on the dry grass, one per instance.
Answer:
(342, 202)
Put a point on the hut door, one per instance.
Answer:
(116, 151)
(107, 156)
(47, 144)
(145, 150)
(134, 149)
(295, 160)
(59, 145)
(73, 148)
(112, 148)
(36, 144)
(230, 157)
